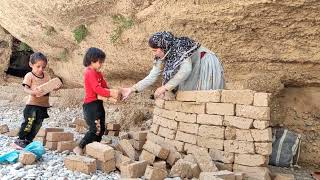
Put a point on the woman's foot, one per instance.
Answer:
(78, 151)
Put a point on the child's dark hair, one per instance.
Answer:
(93, 55)
(152, 43)
(37, 56)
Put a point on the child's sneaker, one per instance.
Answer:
(19, 144)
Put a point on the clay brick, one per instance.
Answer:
(77, 121)
(208, 142)
(225, 174)
(208, 96)
(100, 151)
(237, 96)
(112, 133)
(281, 176)
(128, 149)
(186, 117)
(191, 107)
(50, 85)
(108, 166)
(211, 131)
(137, 145)
(181, 169)
(220, 108)
(66, 145)
(155, 138)
(207, 119)
(113, 127)
(4, 128)
(164, 122)
(238, 146)
(238, 122)
(133, 170)
(195, 169)
(184, 137)
(41, 139)
(261, 173)
(154, 128)
(27, 158)
(147, 156)
(223, 166)
(262, 99)
(186, 96)
(263, 148)
(172, 105)
(191, 148)
(164, 113)
(139, 135)
(251, 159)
(156, 149)
(188, 128)
(80, 163)
(243, 135)
(261, 124)
(159, 103)
(153, 173)
(121, 159)
(80, 129)
(177, 144)
(123, 135)
(160, 165)
(262, 135)
(52, 145)
(12, 133)
(230, 133)
(59, 136)
(225, 157)
(173, 154)
(253, 112)
(167, 133)
(204, 161)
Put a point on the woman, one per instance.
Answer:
(186, 66)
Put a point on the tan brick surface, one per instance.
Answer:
(167, 133)
(128, 149)
(208, 142)
(261, 173)
(177, 144)
(208, 96)
(156, 149)
(173, 155)
(191, 148)
(164, 122)
(159, 103)
(261, 124)
(211, 131)
(237, 96)
(262, 135)
(173, 105)
(121, 159)
(66, 145)
(80, 163)
(164, 113)
(251, 159)
(223, 156)
(108, 166)
(261, 99)
(154, 128)
(155, 138)
(263, 148)
(76, 121)
(112, 133)
(220, 108)
(188, 128)
(184, 137)
(4, 128)
(238, 146)
(147, 156)
(186, 96)
(204, 161)
(181, 169)
(100, 151)
(52, 145)
(50, 85)
(208, 119)
(186, 117)
(281, 176)
(137, 145)
(59, 136)
(139, 135)
(230, 133)
(243, 135)
(27, 158)
(113, 127)
(160, 165)
(12, 133)
(153, 173)
(225, 174)
(254, 112)
(41, 139)
(223, 166)
(133, 170)
(191, 107)
(238, 122)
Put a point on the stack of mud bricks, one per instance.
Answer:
(56, 139)
(112, 129)
(222, 129)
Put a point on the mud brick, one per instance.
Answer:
(108, 166)
(254, 112)
(137, 145)
(177, 144)
(128, 149)
(100, 151)
(230, 133)
(251, 159)
(211, 131)
(154, 128)
(263, 148)
(208, 142)
(186, 96)
(220, 108)
(123, 135)
(191, 148)
(167, 133)
(172, 105)
(52, 145)
(237, 96)
(156, 149)
(238, 122)
(117, 147)
(225, 174)
(239, 175)
(139, 136)
(66, 145)
(182, 169)
(159, 103)
(280, 176)
(113, 127)
(12, 133)
(112, 133)
(191, 107)
(208, 96)
(243, 135)
(160, 165)
(164, 122)
(50, 85)
(223, 166)
(186, 117)
(188, 128)
(41, 139)
(164, 113)
(27, 158)
(238, 146)
(79, 122)
(225, 157)
(262, 135)
(59, 136)
(204, 161)
(189, 138)
(4, 128)
(210, 119)
(106, 141)
(261, 173)
(121, 159)
(173, 156)
(133, 170)
(80, 129)
(261, 124)
(147, 156)
(153, 173)
(155, 138)
(261, 99)
(80, 163)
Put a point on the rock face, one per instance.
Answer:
(5, 49)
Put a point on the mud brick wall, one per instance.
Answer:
(232, 125)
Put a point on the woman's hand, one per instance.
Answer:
(125, 92)
(160, 92)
